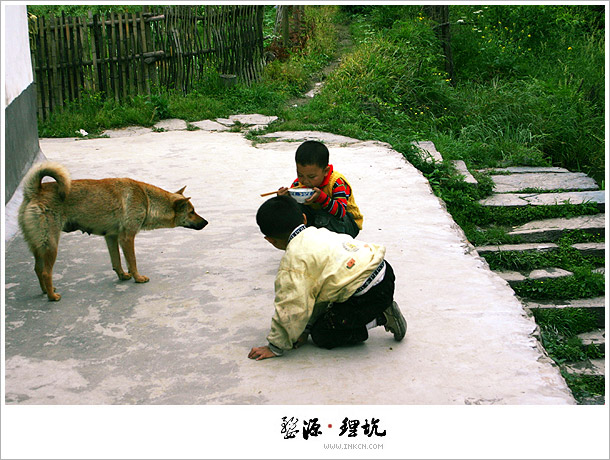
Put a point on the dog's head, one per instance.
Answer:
(185, 213)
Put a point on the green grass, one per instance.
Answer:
(584, 387)
(583, 284)
(565, 256)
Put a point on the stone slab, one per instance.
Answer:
(301, 136)
(210, 125)
(544, 274)
(125, 132)
(525, 247)
(253, 119)
(514, 277)
(313, 92)
(592, 367)
(462, 169)
(225, 121)
(171, 124)
(183, 338)
(595, 302)
(543, 181)
(428, 151)
(553, 229)
(525, 170)
(593, 338)
(545, 199)
(591, 249)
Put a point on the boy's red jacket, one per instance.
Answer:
(336, 197)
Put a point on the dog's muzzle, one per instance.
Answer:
(199, 224)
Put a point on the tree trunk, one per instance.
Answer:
(442, 28)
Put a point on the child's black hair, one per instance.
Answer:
(279, 216)
(312, 153)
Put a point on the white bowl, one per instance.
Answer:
(301, 194)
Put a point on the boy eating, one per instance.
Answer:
(332, 205)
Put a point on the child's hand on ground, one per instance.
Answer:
(302, 340)
(314, 197)
(259, 353)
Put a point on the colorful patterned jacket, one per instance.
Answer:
(336, 197)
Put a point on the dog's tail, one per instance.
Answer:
(33, 180)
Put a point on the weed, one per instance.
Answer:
(586, 387)
(160, 107)
(567, 323)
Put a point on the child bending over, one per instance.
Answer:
(328, 284)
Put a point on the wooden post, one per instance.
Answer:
(93, 19)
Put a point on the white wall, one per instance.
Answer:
(16, 52)
(19, 130)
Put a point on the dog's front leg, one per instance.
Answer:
(129, 251)
(112, 241)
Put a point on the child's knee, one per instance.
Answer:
(322, 334)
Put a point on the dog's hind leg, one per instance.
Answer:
(112, 241)
(129, 250)
(38, 268)
(44, 264)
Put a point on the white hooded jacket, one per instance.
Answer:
(319, 267)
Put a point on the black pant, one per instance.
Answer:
(345, 323)
(320, 218)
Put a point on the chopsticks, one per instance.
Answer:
(271, 193)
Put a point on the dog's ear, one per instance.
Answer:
(181, 191)
(181, 202)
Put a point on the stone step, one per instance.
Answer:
(591, 249)
(544, 274)
(543, 181)
(525, 247)
(462, 169)
(596, 338)
(591, 367)
(593, 400)
(586, 249)
(428, 152)
(515, 200)
(596, 305)
(553, 229)
(524, 170)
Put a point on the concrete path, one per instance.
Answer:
(183, 338)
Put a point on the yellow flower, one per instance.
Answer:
(569, 48)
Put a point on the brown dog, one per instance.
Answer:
(114, 208)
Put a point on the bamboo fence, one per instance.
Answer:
(126, 54)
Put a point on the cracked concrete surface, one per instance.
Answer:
(183, 338)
